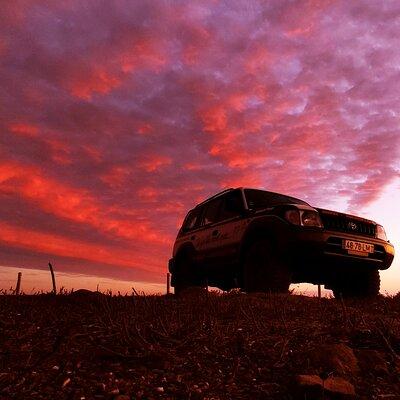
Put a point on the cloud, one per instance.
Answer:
(119, 116)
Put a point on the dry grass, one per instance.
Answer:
(199, 346)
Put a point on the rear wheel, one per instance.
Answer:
(185, 273)
(264, 270)
(360, 284)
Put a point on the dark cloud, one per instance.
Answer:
(119, 116)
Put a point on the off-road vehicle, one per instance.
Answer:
(264, 241)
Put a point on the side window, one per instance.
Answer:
(192, 220)
(211, 213)
(232, 205)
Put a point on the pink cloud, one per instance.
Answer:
(118, 117)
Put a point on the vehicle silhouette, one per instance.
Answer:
(262, 241)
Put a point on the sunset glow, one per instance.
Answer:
(118, 116)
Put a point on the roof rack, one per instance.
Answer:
(215, 195)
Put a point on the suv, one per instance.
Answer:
(261, 241)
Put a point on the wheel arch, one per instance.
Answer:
(186, 247)
(264, 228)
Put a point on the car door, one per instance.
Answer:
(224, 223)
(206, 236)
(229, 229)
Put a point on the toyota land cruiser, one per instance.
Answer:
(264, 241)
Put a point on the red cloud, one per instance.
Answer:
(95, 81)
(119, 117)
(214, 119)
(71, 203)
(116, 176)
(153, 163)
(61, 246)
(24, 129)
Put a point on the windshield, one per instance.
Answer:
(257, 199)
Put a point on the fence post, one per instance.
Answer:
(53, 278)
(168, 283)
(17, 289)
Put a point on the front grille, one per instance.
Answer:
(334, 245)
(339, 223)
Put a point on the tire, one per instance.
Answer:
(361, 284)
(264, 270)
(184, 276)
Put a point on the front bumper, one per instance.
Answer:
(321, 248)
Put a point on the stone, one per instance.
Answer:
(312, 387)
(339, 389)
(337, 358)
(308, 387)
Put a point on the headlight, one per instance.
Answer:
(310, 218)
(303, 218)
(293, 216)
(380, 232)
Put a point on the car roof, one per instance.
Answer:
(244, 188)
(241, 188)
(216, 195)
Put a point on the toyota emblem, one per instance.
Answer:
(352, 226)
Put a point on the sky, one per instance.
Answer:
(118, 116)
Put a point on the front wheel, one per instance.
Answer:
(361, 284)
(264, 270)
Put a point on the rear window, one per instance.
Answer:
(232, 205)
(192, 220)
(211, 214)
(257, 199)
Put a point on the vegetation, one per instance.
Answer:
(202, 345)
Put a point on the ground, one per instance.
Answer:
(199, 346)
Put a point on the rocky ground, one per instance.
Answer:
(200, 346)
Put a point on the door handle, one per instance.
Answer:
(215, 233)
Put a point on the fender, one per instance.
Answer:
(185, 247)
(271, 226)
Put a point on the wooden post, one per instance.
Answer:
(319, 291)
(53, 278)
(17, 289)
(168, 283)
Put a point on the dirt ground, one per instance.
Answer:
(199, 346)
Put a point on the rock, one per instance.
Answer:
(66, 382)
(312, 387)
(308, 387)
(337, 358)
(338, 388)
(372, 361)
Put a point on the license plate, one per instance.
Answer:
(358, 248)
